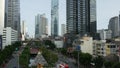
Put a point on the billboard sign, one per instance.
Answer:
(78, 48)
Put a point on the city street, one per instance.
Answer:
(69, 61)
(13, 63)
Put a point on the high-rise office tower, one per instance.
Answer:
(12, 15)
(114, 26)
(63, 29)
(119, 23)
(41, 24)
(54, 17)
(81, 16)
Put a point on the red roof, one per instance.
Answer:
(34, 51)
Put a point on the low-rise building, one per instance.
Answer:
(85, 43)
(96, 47)
(58, 43)
(101, 48)
(111, 48)
(9, 36)
(105, 34)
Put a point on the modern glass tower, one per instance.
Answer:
(12, 15)
(114, 26)
(41, 24)
(81, 16)
(54, 17)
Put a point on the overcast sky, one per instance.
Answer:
(29, 8)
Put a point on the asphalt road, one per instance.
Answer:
(13, 63)
(69, 61)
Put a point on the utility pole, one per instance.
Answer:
(18, 59)
(78, 49)
(78, 59)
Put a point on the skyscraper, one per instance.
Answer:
(12, 15)
(41, 24)
(81, 16)
(114, 26)
(119, 23)
(54, 17)
(23, 30)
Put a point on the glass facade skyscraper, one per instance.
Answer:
(81, 16)
(41, 24)
(114, 26)
(54, 17)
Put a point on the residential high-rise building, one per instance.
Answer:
(81, 16)
(12, 15)
(114, 26)
(41, 25)
(54, 17)
(63, 29)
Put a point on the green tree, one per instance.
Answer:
(25, 56)
(85, 59)
(64, 51)
(116, 65)
(49, 44)
(75, 54)
(108, 64)
(7, 51)
(50, 57)
(98, 61)
(112, 58)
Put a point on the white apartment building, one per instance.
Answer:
(86, 44)
(99, 48)
(58, 43)
(9, 36)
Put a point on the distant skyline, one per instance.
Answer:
(29, 8)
